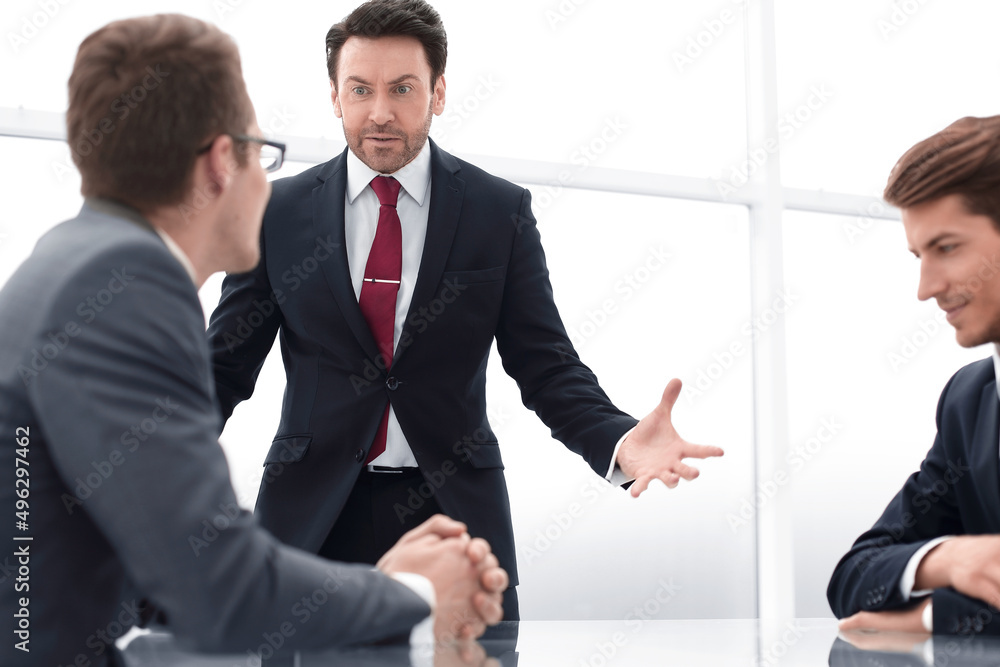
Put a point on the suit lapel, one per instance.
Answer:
(447, 192)
(328, 219)
(985, 454)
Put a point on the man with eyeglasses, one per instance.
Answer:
(111, 476)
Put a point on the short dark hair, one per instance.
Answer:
(962, 159)
(389, 18)
(144, 95)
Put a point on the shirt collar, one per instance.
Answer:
(179, 254)
(996, 366)
(119, 210)
(413, 176)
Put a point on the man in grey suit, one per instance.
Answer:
(110, 469)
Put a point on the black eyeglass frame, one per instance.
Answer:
(257, 140)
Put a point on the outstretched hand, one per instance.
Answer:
(654, 450)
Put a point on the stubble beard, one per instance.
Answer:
(387, 160)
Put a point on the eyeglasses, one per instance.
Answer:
(272, 153)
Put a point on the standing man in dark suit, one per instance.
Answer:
(931, 563)
(110, 469)
(388, 272)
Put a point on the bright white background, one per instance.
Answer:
(537, 80)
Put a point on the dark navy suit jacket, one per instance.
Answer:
(108, 448)
(482, 277)
(955, 492)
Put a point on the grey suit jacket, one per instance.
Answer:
(109, 456)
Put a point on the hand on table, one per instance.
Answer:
(908, 620)
(654, 449)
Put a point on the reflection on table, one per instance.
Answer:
(714, 643)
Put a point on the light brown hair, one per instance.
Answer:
(145, 95)
(962, 159)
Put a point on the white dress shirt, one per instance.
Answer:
(361, 207)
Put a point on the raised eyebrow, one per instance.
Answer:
(405, 77)
(357, 79)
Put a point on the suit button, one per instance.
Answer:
(391, 384)
(359, 455)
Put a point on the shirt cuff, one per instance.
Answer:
(422, 634)
(927, 618)
(908, 580)
(615, 474)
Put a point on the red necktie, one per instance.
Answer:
(381, 283)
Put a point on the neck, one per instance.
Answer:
(188, 231)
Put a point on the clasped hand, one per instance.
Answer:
(468, 580)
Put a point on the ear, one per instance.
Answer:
(220, 163)
(437, 100)
(337, 111)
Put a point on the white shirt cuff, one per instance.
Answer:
(615, 474)
(422, 634)
(909, 577)
(927, 618)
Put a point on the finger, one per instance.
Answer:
(471, 652)
(494, 580)
(863, 620)
(670, 394)
(638, 486)
(478, 550)
(489, 607)
(701, 451)
(439, 525)
(685, 471)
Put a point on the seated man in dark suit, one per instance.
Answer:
(931, 563)
(111, 470)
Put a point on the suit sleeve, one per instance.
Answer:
(134, 389)
(538, 354)
(241, 333)
(867, 578)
